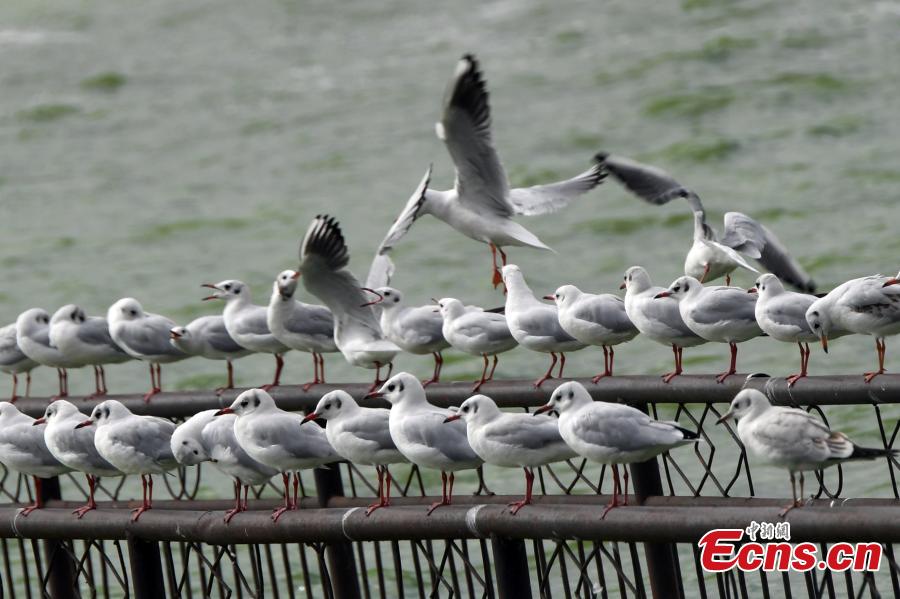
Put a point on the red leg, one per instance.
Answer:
(483, 380)
(549, 374)
(315, 380)
(616, 489)
(61, 377)
(804, 363)
(276, 381)
(667, 378)
(607, 365)
(237, 502)
(625, 476)
(296, 504)
(728, 279)
(705, 272)
(246, 493)
(493, 368)
(285, 478)
(103, 378)
(496, 277)
(880, 348)
(562, 363)
(321, 368)
(445, 497)
(230, 381)
(436, 375)
(91, 504)
(147, 484)
(38, 499)
(28, 384)
(383, 500)
(155, 382)
(732, 369)
(529, 484)
(14, 397)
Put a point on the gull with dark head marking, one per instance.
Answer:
(512, 440)
(534, 324)
(143, 336)
(33, 338)
(792, 439)
(712, 256)
(301, 326)
(594, 320)
(361, 436)
(657, 318)
(716, 313)
(13, 360)
(207, 337)
(611, 433)
(481, 204)
(323, 269)
(247, 323)
(86, 339)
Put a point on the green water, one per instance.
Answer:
(146, 148)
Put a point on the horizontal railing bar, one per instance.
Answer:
(818, 390)
(817, 522)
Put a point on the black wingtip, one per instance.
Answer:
(688, 434)
(870, 453)
(601, 157)
(325, 239)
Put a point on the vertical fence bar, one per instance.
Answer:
(146, 568)
(662, 558)
(61, 580)
(341, 561)
(511, 568)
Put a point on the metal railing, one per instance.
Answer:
(475, 548)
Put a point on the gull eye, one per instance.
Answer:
(196, 452)
(328, 406)
(184, 442)
(465, 409)
(134, 312)
(677, 288)
(237, 290)
(244, 403)
(391, 387)
(816, 326)
(816, 313)
(227, 287)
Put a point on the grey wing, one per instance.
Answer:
(624, 428)
(542, 199)
(95, 331)
(869, 296)
(218, 338)
(794, 432)
(750, 237)
(151, 437)
(253, 321)
(542, 321)
(382, 268)
(791, 308)
(529, 432)
(311, 320)
(307, 441)
(375, 429)
(465, 128)
(726, 303)
(149, 336)
(647, 182)
(9, 348)
(450, 438)
(608, 310)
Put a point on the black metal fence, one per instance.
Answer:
(557, 548)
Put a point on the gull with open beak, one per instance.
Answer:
(13, 360)
(143, 336)
(247, 323)
(361, 436)
(133, 444)
(207, 337)
(791, 439)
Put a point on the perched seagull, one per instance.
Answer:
(481, 204)
(275, 438)
(611, 433)
(658, 319)
(143, 336)
(534, 324)
(300, 326)
(323, 267)
(512, 440)
(415, 330)
(14, 361)
(361, 436)
(792, 439)
(33, 338)
(23, 449)
(866, 306)
(206, 437)
(716, 313)
(712, 256)
(476, 332)
(781, 314)
(133, 444)
(420, 434)
(247, 323)
(86, 339)
(594, 320)
(207, 337)
(74, 447)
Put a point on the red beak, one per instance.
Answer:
(451, 418)
(550, 297)
(622, 286)
(308, 417)
(662, 294)
(891, 281)
(224, 411)
(752, 290)
(374, 395)
(543, 408)
(210, 286)
(84, 424)
(174, 335)
(296, 275)
(375, 301)
(38, 421)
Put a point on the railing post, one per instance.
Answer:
(662, 558)
(146, 568)
(511, 568)
(341, 562)
(61, 581)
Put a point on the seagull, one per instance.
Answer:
(611, 433)
(300, 326)
(716, 313)
(866, 306)
(87, 340)
(323, 268)
(133, 444)
(14, 361)
(781, 314)
(206, 437)
(712, 256)
(534, 324)
(247, 323)
(33, 338)
(658, 319)
(420, 434)
(511, 440)
(361, 436)
(207, 337)
(594, 320)
(481, 204)
(275, 438)
(792, 439)
(23, 449)
(415, 330)
(477, 332)
(143, 336)
(75, 448)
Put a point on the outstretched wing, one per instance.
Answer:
(647, 182)
(542, 199)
